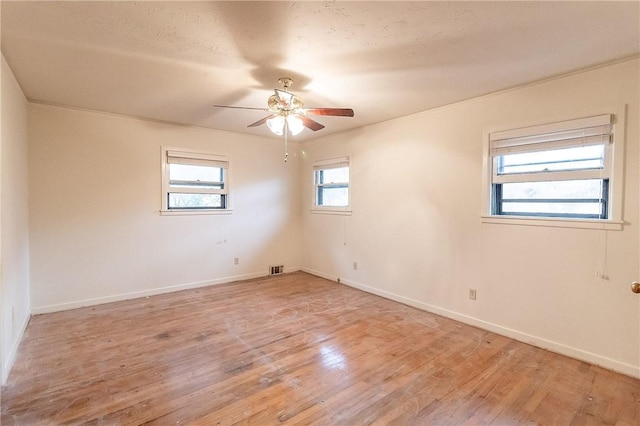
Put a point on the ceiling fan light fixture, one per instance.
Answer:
(273, 103)
(295, 124)
(296, 103)
(276, 125)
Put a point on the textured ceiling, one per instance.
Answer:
(173, 61)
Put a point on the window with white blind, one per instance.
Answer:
(556, 170)
(194, 181)
(331, 183)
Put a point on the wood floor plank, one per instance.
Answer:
(294, 349)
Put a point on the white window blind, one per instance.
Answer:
(581, 132)
(333, 163)
(197, 159)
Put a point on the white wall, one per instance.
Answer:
(417, 235)
(14, 232)
(95, 196)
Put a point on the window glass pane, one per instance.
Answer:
(334, 197)
(578, 158)
(189, 176)
(338, 175)
(588, 188)
(577, 210)
(196, 201)
(571, 198)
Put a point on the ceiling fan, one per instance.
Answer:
(288, 114)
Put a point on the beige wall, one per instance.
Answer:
(417, 235)
(14, 232)
(95, 195)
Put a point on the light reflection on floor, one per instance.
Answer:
(332, 358)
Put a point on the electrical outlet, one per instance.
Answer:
(236, 261)
(355, 266)
(472, 293)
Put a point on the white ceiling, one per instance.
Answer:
(173, 61)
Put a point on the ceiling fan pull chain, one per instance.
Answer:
(286, 131)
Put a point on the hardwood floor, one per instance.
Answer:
(294, 349)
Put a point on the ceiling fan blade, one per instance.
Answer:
(240, 107)
(309, 123)
(261, 121)
(339, 112)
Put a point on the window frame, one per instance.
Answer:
(612, 171)
(191, 157)
(328, 164)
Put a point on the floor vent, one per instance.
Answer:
(275, 270)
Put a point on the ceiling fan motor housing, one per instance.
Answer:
(277, 104)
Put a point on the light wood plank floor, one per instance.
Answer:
(294, 349)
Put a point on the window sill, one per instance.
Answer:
(195, 212)
(609, 225)
(341, 212)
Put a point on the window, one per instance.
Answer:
(558, 170)
(331, 183)
(194, 181)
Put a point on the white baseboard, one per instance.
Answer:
(605, 362)
(8, 363)
(161, 290)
